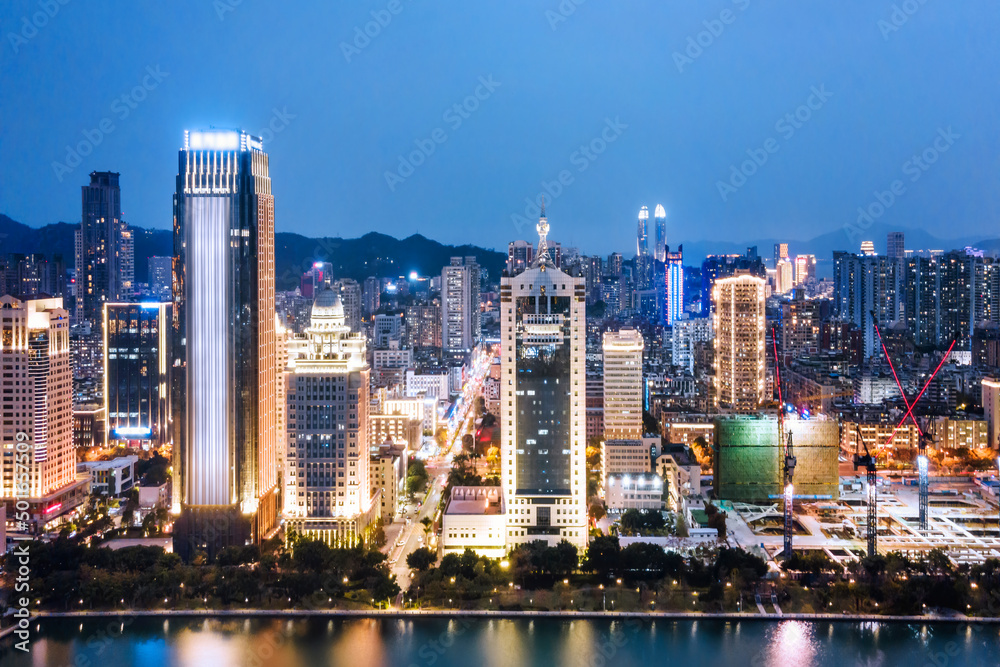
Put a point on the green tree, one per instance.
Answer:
(603, 555)
(421, 559)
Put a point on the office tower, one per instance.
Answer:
(103, 268)
(805, 269)
(137, 366)
(739, 342)
(317, 274)
(783, 277)
(350, 296)
(867, 248)
(674, 275)
(780, 253)
(660, 218)
(614, 265)
(460, 326)
(225, 481)
(683, 337)
(802, 324)
(372, 295)
(643, 260)
(543, 330)
(160, 278)
(32, 276)
(37, 460)
(623, 390)
(328, 460)
(895, 248)
(593, 272)
(863, 284)
(519, 256)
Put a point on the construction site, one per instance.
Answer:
(792, 487)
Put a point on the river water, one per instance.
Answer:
(464, 642)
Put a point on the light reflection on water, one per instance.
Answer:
(498, 642)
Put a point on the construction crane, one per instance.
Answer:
(923, 481)
(868, 463)
(785, 451)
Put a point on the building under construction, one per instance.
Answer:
(748, 461)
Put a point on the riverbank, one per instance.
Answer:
(519, 614)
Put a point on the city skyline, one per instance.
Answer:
(700, 140)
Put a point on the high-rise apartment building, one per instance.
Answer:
(543, 394)
(225, 482)
(674, 276)
(660, 219)
(161, 278)
(350, 295)
(137, 364)
(784, 277)
(683, 337)
(863, 284)
(33, 276)
(372, 295)
(423, 325)
(460, 317)
(329, 488)
(104, 260)
(780, 253)
(37, 459)
(739, 322)
(623, 390)
(895, 246)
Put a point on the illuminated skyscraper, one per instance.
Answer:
(643, 260)
(660, 218)
(137, 367)
(623, 384)
(460, 326)
(739, 320)
(805, 268)
(867, 248)
(895, 245)
(780, 253)
(543, 402)
(674, 303)
(329, 488)
(225, 484)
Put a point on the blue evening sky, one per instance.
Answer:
(660, 118)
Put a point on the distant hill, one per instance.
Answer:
(373, 254)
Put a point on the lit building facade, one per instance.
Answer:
(225, 484)
(660, 220)
(460, 317)
(104, 256)
(623, 396)
(738, 322)
(543, 402)
(137, 367)
(37, 459)
(329, 480)
(674, 303)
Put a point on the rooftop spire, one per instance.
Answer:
(542, 256)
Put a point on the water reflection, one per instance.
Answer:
(792, 644)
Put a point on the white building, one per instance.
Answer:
(684, 334)
(624, 456)
(643, 491)
(872, 390)
(682, 478)
(110, 478)
(623, 390)
(460, 323)
(543, 453)
(474, 519)
(388, 328)
(436, 384)
(991, 410)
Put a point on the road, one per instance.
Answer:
(404, 537)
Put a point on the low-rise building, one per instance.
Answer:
(681, 475)
(474, 519)
(428, 383)
(111, 478)
(624, 456)
(388, 475)
(643, 491)
(950, 433)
